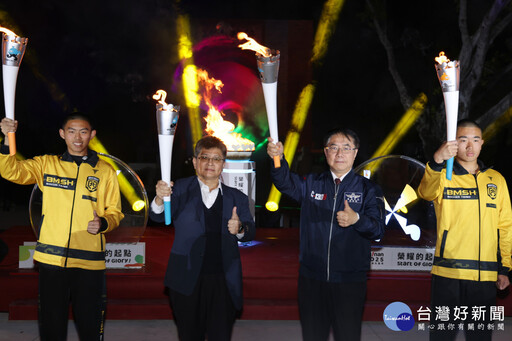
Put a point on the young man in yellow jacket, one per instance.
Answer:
(81, 202)
(474, 237)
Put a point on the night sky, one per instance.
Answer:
(107, 58)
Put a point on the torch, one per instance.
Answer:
(448, 73)
(268, 67)
(167, 120)
(13, 48)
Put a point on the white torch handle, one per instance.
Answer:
(165, 143)
(270, 94)
(10, 75)
(451, 103)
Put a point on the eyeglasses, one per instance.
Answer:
(213, 159)
(335, 149)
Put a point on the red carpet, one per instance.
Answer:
(270, 267)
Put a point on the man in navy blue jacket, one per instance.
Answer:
(204, 273)
(341, 213)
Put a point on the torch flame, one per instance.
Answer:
(208, 84)
(7, 31)
(251, 44)
(442, 58)
(215, 124)
(160, 97)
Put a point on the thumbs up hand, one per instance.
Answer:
(347, 217)
(234, 223)
(94, 225)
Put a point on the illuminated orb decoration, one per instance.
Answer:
(134, 202)
(410, 220)
(241, 100)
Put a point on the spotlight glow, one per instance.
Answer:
(292, 138)
(493, 128)
(189, 77)
(272, 206)
(124, 185)
(326, 27)
(300, 114)
(402, 127)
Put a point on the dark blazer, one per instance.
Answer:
(186, 258)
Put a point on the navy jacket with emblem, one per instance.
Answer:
(329, 252)
(186, 258)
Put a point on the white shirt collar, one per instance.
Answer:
(208, 196)
(334, 177)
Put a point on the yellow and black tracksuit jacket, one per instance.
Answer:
(474, 222)
(71, 193)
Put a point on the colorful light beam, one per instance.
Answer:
(325, 28)
(189, 77)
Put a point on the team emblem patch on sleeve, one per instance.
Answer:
(492, 191)
(354, 197)
(92, 183)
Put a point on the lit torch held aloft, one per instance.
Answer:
(13, 49)
(167, 119)
(448, 73)
(268, 67)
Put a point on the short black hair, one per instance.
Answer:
(77, 115)
(348, 133)
(465, 122)
(209, 142)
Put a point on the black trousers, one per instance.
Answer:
(208, 311)
(454, 294)
(85, 289)
(323, 305)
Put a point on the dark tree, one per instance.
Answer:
(485, 44)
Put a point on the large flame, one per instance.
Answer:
(7, 31)
(215, 124)
(442, 58)
(251, 44)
